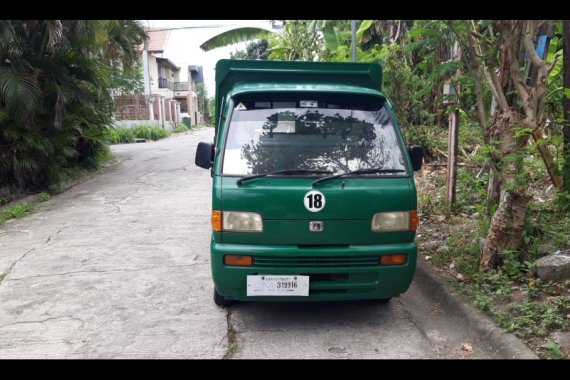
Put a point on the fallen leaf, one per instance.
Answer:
(459, 276)
(467, 347)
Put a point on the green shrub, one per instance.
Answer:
(150, 132)
(16, 211)
(42, 197)
(128, 135)
(181, 128)
(121, 136)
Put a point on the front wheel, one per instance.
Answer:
(221, 300)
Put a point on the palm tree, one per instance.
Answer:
(55, 106)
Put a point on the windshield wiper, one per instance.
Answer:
(286, 171)
(357, 172)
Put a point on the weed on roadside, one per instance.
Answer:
(181, 128)
(128, 135)
(43, 197)
(16, 211)
(553, 351)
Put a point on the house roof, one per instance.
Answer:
(157, 39)
(167, 62)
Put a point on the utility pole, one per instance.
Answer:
(353, 40)
(453, 133)
(147, 89)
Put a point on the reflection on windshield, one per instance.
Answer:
(338, 140)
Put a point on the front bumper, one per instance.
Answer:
(336, 272)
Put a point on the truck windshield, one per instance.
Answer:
(267, 136)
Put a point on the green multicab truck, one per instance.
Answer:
(313, 193)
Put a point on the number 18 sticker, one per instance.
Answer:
(314, 201)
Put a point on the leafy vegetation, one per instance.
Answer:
(13, 212)
(43, 197)
(55, 104)
(128, 135)
(181, 128)
(258, 49)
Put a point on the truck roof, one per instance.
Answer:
(230, 73)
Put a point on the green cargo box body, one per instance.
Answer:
(232, 72)
(343, 260)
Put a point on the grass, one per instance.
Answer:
(553, 351)
(43, 197)
(128, 135)
(14, 212)
(181, 128)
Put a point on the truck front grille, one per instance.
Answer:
(315, 261)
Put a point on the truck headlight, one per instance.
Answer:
(242, 221)
(394, 221)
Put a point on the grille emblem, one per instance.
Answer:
(316, 226)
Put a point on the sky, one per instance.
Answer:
(183, 46)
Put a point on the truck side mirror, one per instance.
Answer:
(416, 155)
(204, 155)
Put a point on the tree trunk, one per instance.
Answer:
(566, 104)
(493, 190)
(505, 231)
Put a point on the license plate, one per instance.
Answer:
(274, 285)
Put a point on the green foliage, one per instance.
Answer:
(405, 89)
(121, 136)
(128, 135)
(150, 132)
(554, 351)
(513, 267)
(299, 41)
(546, 224)
(253, 50)
(128, 81)
(181, 128)
(235, 36)
(532, 317)
(43, 197)
(55, 105)
(16, 211)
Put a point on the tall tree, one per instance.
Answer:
(514, 120)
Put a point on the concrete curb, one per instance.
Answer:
(503, 344)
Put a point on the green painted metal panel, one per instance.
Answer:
(230, 73)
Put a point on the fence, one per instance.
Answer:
(131, 107)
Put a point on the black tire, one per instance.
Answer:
(221, 300)
(383, 300)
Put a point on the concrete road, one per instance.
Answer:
(118, 267)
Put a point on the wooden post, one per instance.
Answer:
(453, 133)
(452, 151)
